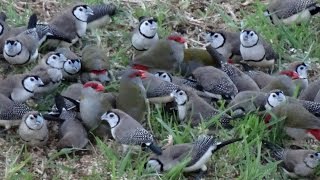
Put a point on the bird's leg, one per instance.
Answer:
(148, 115)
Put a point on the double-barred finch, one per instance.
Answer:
(145, 35)
(127, 131)
(226, 43)
(282, 82)
(178, 80)
(23, 48)
(302, 69)
(101, 15)
(72, 66)
(11, 112)
(70, 25)
(72, 133)
(296, 163)
(20, 87)
(166, 54)
(255, 51)
(242, 81)
(195, 154)
(291, 11)
(215, 81)
(6, 31)
(49, 70)
(95, 65)
(33, 129)
(193, 108)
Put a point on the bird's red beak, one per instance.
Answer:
(294, 75)
(95, 85)
(315, 133)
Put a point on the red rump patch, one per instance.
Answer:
(230, 61)
(267, 120)
(103, 71)
(315, 133)
(292, 74)
(94, 85)
(177, 38)
(140, 67)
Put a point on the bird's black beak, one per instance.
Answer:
(225, 143)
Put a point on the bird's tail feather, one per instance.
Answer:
(32, 21)
(156, 149)
(101, 10)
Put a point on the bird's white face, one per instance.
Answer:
(1, 29)
(149, 28)
(72, 66)
(32, 82)
(313, 160)
(56, 60)
(112, 118)
(82, 12)
(34, 121)
(302, 70)
(180, 96)
(164, 76)
(153, 165)
(275, 99)
(248, 38)
(12, 48)
(215, 39)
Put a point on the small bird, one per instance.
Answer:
(70, 25)
(249, 101)
(242, 81)
(166, 54)
(178, 80)
(145, 35)
(72, 133)
(94, 65)
(311, 91)
(226, 43)
(101, 15)
(92, 105)
(132, 95)
(291, 11)
(255, 51)
(296, 163)
(6, 31)
(33, 129)
(20, 87)
(197, 154)
(193, 108)
(72, 66)
(49, 70)
(302, 69)
(215, 81)
(127, 131)
(23, 48)
(11, 112)
(281, 82)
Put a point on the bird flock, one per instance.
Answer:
(236, 68)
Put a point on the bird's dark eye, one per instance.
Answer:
(316, 154)
(54, 57)
(215, 36)
(31, 79)
(69, 62)
(32, 118)
(251, 34)
(301, 68)
(180, 93)
(274, 95)
(311, 156)
(146, 23)
(80, 9)
(111, 115)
